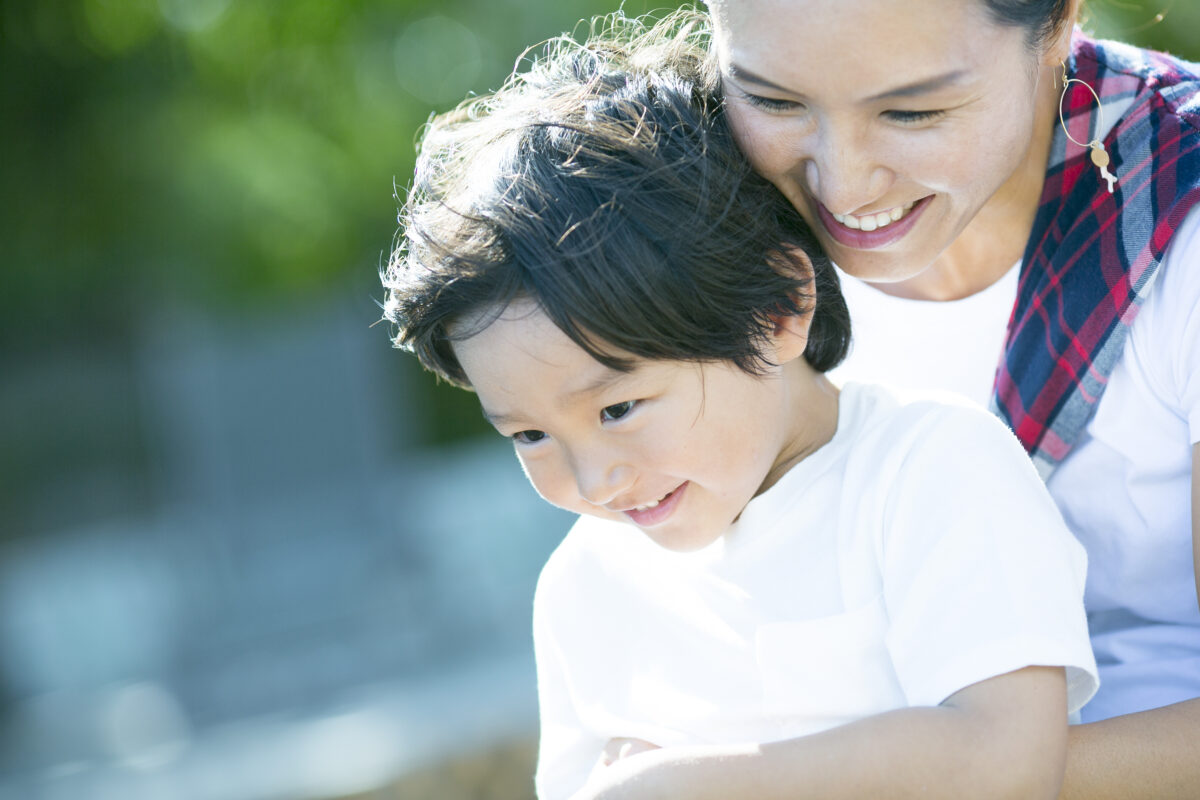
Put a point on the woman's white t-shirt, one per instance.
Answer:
(1125, 490)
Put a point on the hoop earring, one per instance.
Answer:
(1099, 155)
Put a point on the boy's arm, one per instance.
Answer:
(1004, 737)
(1151, 754)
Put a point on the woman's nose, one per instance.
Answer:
(846, 176)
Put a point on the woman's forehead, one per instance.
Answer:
(880, 42)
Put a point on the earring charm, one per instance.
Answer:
(1100, 156)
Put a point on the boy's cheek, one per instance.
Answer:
(550, 483)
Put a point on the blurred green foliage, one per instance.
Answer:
(228, 150)
(232, 155)
(220, 150)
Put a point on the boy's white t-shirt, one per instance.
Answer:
(915, 554)
(1125, 490)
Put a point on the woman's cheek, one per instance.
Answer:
(941, 162)
(764, 139)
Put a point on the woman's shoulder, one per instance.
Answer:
(1137, 82)
(1157, 70)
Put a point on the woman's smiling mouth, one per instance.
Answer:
(871, 222)
(870, 231)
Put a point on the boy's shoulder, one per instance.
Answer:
(938, 449)
(889, 419)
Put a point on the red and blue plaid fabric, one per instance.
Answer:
(1093, 256)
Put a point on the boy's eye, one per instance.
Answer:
(913, 117)
(529, 437)
(610, 413)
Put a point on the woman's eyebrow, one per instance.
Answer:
(743, 75)
(921, 87)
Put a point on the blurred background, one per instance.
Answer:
(246, 550)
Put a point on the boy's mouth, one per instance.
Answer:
(656, 511)
(869, 231)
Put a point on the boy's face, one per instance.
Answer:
(675, 448)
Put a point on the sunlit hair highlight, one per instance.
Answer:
(602, 183)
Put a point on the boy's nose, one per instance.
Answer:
(599, 485)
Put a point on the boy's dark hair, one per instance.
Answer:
(610, 192)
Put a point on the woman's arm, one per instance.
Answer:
(1152, 754)
(1004, 737)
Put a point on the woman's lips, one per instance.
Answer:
(870, 240)
(653, 516)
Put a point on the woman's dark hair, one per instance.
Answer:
(609, 192)
(1041, 19)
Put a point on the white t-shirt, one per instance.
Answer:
(915, 554)
(1125, 490)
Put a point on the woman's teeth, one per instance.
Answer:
(873, 221)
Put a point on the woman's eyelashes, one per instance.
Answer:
(914, 117)
(775, 105)
(771, 103)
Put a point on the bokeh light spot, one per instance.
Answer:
(119, 26)
(437, 59)
(193, 16)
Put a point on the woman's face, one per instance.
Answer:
(889, 124)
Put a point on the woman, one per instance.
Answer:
(922, 141)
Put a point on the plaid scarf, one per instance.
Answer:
(1093, 256)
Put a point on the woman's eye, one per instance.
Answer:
(771, 103)
(610, 413)
(913, 117)
(528, 437)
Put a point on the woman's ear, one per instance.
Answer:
(1058, 47)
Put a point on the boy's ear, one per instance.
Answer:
(790, 335)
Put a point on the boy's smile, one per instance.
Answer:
(676, 448)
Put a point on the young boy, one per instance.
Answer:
(774, 589)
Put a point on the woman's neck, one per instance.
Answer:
(995, 239)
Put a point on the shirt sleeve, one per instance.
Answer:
(1177, 322)
(981, 576)
(567, 751)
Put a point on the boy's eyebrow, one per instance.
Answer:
(908, 90)
(497, 419)
(600, 383)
